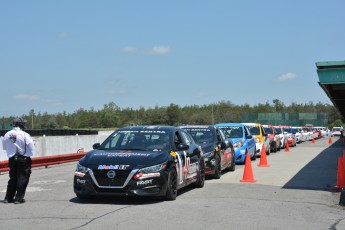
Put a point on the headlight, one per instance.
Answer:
(257, 140)
(238, 144)
(154, 168)
(80, 170)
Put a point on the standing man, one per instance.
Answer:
(19, 147)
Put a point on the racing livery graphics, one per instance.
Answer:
(141, 161)
(218, 150)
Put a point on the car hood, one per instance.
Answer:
(127, 159)
(235, 140)
(208, 147)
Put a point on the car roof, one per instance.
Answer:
(230, 124)
(197, 126)
(152, 127)
(256, 124)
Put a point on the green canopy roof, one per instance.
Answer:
(332, 81)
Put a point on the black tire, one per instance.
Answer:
(232, 166)
(171, 193)
(268, 150)
(218, 168)
(253, 158)
(201, 176)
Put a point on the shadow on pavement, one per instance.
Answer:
(321, 172)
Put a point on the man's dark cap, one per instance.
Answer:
(19, 122)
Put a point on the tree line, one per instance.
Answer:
(112, 116)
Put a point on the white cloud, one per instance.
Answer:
(130, 49)
(287, 76)
(160, 50)
(156, 50)
(63, 35)
(27, 97)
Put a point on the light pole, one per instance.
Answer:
(212, 116)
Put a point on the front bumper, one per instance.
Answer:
(210, 165)
(88, 185)
(258, 149)
(240, 155)
(291, 141)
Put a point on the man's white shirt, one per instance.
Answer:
(16, 140)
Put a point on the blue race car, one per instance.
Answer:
(242, 140)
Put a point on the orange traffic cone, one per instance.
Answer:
(263, 158)
(287, 147)
(330, 141)
(248, 171)
(341, 174)
(313, 140)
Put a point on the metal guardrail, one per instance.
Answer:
(48, 160)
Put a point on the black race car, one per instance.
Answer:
(141, 161)
(218, 150)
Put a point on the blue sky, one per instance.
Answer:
(63, 55)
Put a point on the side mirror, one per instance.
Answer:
(182, 147)
(196, 152)
(249, 136)
(96, 146)
(224, 144)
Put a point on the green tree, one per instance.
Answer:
(109, 115)
(278, 105)
(173, 114)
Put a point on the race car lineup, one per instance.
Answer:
(159, 160)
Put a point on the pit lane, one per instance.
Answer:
(295, 192)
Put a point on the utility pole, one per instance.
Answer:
(212, 116)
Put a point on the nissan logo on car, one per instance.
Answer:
(111, 174)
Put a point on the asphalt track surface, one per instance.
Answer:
(295, 192)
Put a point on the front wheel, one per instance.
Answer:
(253, 158)
(200, 182)
(232, 166)
(217, 168)
(268, 150)
(171, 193)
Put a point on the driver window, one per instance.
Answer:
(177, 139)
(187, 138)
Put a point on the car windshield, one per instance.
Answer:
(202, 135)
(306, 129)
(137, 140)
(233, 131)
(268, 130)
(278, 131)
(288, 130)
(254, 130)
